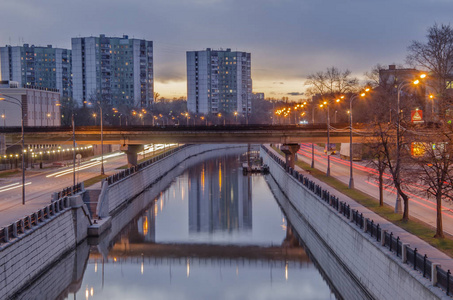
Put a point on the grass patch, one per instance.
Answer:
(94, 180)
(5, 174)
(414, 226)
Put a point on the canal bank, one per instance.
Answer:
(33, 244)
(359, 250)
(163, 251)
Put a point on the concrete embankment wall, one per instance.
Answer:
(358, 266)
(64, 278)
(115, 195)
(26, 256)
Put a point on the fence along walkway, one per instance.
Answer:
(20, 226)
(411, 256)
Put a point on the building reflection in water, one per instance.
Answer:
(219, 197)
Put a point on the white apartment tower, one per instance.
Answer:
(37, 67)
(116, 70)
(219, 81)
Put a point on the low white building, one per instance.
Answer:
(39, 105)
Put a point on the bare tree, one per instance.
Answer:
(330, 82)
(383, 144)
(434, 161)
(436, 56)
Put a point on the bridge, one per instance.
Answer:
(218, 134)
(132, 138)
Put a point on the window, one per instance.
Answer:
(449, 84)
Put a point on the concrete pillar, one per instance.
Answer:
(131, 152)
(434, 273)
(290, 151)
(365, 224)
(383, 236)
(15, 229)
(22, 225)
(6, 233)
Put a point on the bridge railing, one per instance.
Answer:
(20, 227)
(127, 172)
(409, 255)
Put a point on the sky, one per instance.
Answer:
(288, 39)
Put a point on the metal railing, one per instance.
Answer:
(134, 169)
(20, 227)
(71, 190)
(418, 261)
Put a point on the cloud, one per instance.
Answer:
(295, 94)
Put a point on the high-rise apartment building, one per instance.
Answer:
(32, 66)
(219, 81)
(117, 70)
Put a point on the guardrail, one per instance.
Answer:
(127, 172)
(71, 190)
(20, 227)
(410, 256)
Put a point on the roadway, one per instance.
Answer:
(365, 180)
(41, 183)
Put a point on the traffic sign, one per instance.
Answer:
(417, 116)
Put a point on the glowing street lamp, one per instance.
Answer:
(187, 118)
(353, 97)
(327, 104)
(431, 96)
(94, 116)
(398, 206)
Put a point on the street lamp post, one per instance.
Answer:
(398, 205)
(312, 144)
(326, 103)
(351, 99)
(73, 151)
(20, 104)
(102, 141)
(328, 142)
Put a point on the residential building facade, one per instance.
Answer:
(219, 81)
(117, 70)
(33, 66)
(39, 104)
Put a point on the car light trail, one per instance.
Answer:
(13, 186)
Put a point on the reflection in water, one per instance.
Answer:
(219, 197)
(198, 240)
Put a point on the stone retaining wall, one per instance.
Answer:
(26, 256)
(376, 272)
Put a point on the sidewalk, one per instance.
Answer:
(435, 255)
